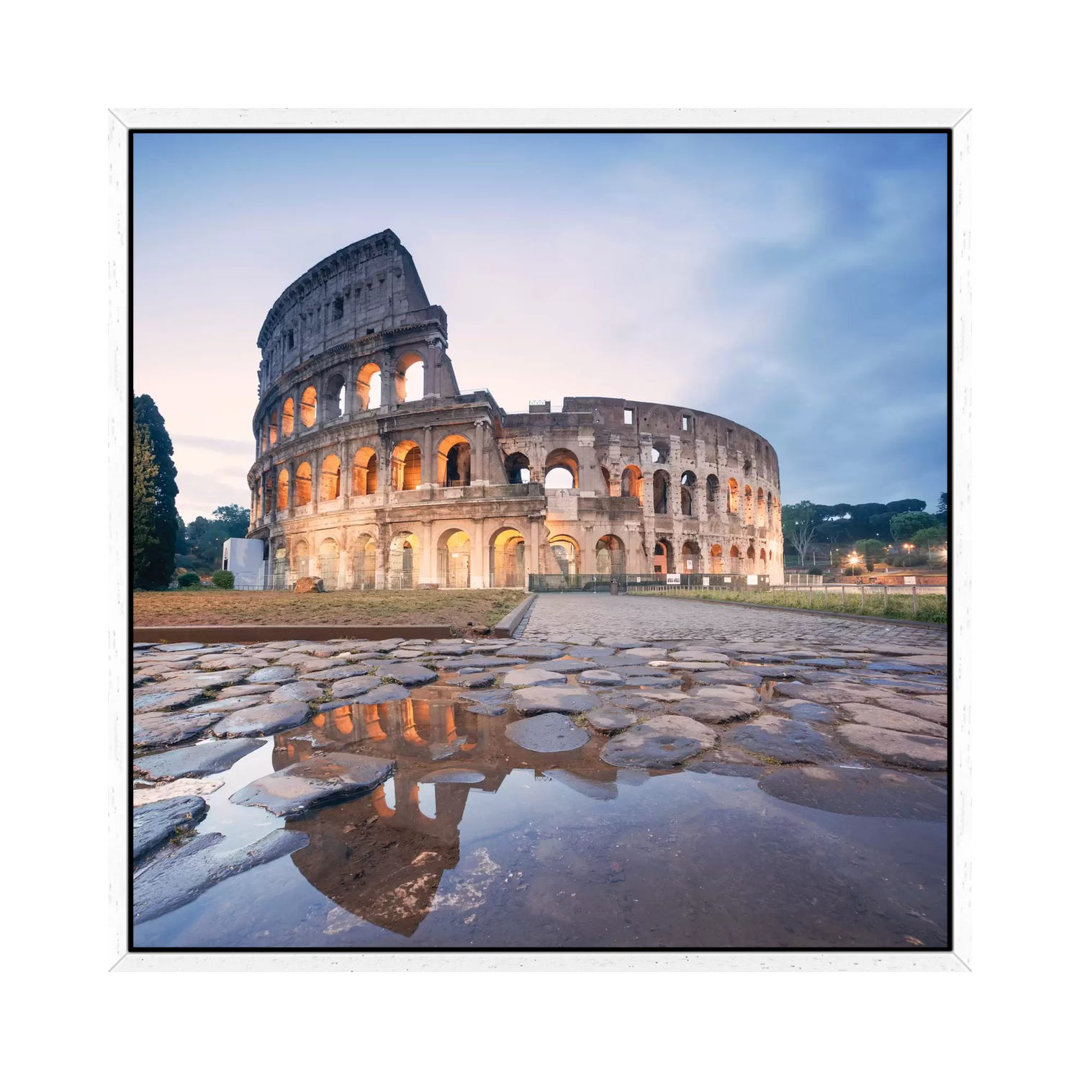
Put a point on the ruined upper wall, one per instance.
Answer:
(364, 289)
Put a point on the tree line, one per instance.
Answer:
(869, 528)
(160, 541)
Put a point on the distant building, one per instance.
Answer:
(374, 471)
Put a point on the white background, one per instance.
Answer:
(67, 64)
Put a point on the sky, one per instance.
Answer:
(794, 283)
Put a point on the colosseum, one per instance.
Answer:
(374, 471)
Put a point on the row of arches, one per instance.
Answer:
(406, 383)
(693, 561)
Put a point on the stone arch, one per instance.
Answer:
(334, 396)
(369, 387)
(748, 505)
(761, 520)
(606, 474)
(712, 491)
(691, 557)
(454, 462)
(405, 467)
(734, 555)
(751, 555)
(632, 483)
(298, 558)
(661, 484)
(273, 429)
(365, 472)
(329, 554)
(309, 403)
(663, 557)
(409, 378)
(561, 459)
(687, 485)
(288, 418)
(363, 561)
(283, 489)
(517, 469)
(330, 478)
(716, 559)
(404, 560)
(303, 483)
(660, 452)
(281, 565)
(610, 555)
(452, 552)
(565, 551)
(733, 495)
(507, 558)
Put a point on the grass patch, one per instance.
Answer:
(931, 609)
(461, 609)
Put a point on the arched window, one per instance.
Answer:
(369, 387)
(404, 558)
(564, 551)
(712, 492)
(364, 474)
(761, 519)
(363, 560)
(660, 452)
(686, 493)
(303, 483)
(716, 559)
(733, 496)
(734, 554)
(405, 467)
(334, 403)
(607, 479)
(660, 485)
(561, 470)
(283, 489)
(748, 505)
(330, 474)
(508, 559)
(409, 378)
(288, 412)
(691, 558)
(299, 560)
(453, 558)
(663, 558)
(273, 427)
(517, 469)
(328, 563)
(454, 462)
(308, 402)
(632, 483)
(610, 555)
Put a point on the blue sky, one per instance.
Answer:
(795, 283)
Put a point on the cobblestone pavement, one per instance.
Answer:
(583, 618)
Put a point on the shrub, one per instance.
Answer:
(187, 579)
(223, 579)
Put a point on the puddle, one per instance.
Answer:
(513, 848)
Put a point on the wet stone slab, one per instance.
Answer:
(167, 729)
(546, 733)
(787, 741)
(521, 677)
(199, 760)
(868, 792)
(564, 699)
(155, 823)
(327, 778)
(408, 674)
(897, 747)
(263, 719)
(658, 743)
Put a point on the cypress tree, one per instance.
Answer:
(152, 562)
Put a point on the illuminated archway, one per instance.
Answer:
(409, 378)
(761, 520)
(632, 483)
(303, 483)
(559, 465)
(663, 557)
(716, 559)
(508, 559)
(273, 430)
(334, 401)
(364, 472)
(369, 387)
(748, 505)
(309, 401)
(517, 469)
(610, 556)
(283, 489)
(453, 557)
(564, 550)
(733, 496)
(330, 478)
(691, 558)
(288, 417)
(405, 467)
(404, 561)
(328, 562)
(454, 462)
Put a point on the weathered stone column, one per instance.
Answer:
(427, 572)
(428, 471)
(479, 556)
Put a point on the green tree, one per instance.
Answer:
(144, 538)
(873, 550)
(800, 523)
(205, 536)
(904, 526)
(159, 557)
(933, 536)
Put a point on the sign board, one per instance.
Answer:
(728, 580)
(909, 581)
(705, 580)
(674, 579)
(751, 579)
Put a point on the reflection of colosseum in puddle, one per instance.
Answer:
(373, 470)
(382, 856)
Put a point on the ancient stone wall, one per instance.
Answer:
(373, 471)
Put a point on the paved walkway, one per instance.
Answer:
(582, 618)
